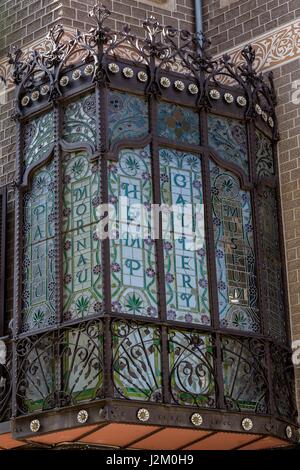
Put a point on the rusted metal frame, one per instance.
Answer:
(159, 243)
(211, 264)
(260, 282)
(3, 197)
(58, 237)
(18, 255)
(101, 143)
(288, 325)
(282, 245)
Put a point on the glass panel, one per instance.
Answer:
(133, 259)
(272, 274)
(178, 123)
(191, 368)
(80, 120)
(228, 138)
(38, 138)
(185, 264)
(127, 116)
(136, 361)
(82, 355)
(283, 375)
(245, 375)
(235, 259)
(264, 155)
(81, 247)
(38, 272)
(36, 373)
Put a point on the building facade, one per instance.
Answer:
(114, 346)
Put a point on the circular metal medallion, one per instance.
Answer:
(214, 94)
(113, 68)
(228, 98)
(82, 416)
(35, 425)
(196, 419)
(193, 89)
(89, 69)
(241, 101)
(142, 76)
(64, 80)
(247, 424)
(288, 432)
(165, 82)
(25, 100)
(76, 74)
(179, 85)
(127, 72)
(143, 414)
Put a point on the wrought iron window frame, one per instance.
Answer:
(157, 55)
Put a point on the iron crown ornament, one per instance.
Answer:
(163, 49)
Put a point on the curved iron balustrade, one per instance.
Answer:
(111, 359)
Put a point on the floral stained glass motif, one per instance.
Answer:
(235, 259)
(38, 138)
(80, 121)
(137, 362)
(264, 155)
(178, 123)
(245, 375)
(132, 250)
(38, 292)
(228, 138)
(183, 232)
(272, 272)
(191, 368)
(128, 117)
(81, 246)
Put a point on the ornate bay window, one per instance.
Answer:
(147, 329)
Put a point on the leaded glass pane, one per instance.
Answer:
(136, 362)
(127, 116)
(235, 258)
(81, 246)
(245, 375)
(38, 138)
(82, 356)
(264, 155)
(191, 368)
(38, 272)
(228, 137)
(184, 260)
(178, 123)
(132, 252)
(36, 373)
(80, 120)
(272, 273)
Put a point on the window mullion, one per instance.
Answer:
(211, 262)
(159, 249)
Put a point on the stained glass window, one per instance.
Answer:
(228, 137)
(191, 368)
(136, 362)
(81, 246)
(132, 252)
(38, 273)
(184, 255)
(38, 138)
(128, 116)
(178, 123)
(235, 259)
(80, 120)
(245, 375)
(272, 269)
(264, 155)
